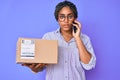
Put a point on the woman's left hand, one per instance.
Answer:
(78, 31)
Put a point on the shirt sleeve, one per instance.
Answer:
(89, 48)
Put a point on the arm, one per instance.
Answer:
(85, 56)
(86, 53)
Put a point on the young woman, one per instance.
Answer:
(75, 52)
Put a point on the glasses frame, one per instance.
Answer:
(62, 17)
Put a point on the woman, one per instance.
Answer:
(75, 52)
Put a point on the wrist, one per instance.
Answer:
(77, 38)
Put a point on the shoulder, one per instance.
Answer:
(48, 35)
(84, 36)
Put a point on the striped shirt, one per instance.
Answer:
(69, 66)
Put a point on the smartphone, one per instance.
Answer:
(74, 27)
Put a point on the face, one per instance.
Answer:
(65, 18)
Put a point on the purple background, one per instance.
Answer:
(32, 18)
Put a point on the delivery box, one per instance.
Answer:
(36, 51)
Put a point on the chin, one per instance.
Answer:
(66, 29)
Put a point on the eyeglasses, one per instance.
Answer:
(63, 17)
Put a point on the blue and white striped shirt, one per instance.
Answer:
(69, 66)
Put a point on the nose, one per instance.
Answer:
(66, 20)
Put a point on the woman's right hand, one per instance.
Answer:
(35, 67)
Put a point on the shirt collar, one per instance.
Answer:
(58, 30)
(59, 34)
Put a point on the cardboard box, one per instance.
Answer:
(36, 51)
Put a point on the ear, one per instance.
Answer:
(75, 19)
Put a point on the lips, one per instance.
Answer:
(66, 25)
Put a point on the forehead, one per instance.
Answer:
(65, 10)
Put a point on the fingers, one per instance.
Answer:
(35, 67)
(29, 65)
(40, 65)
(26, 64)
(79, 24)
(32, 65)
(78, 28)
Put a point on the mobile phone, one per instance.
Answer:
(74, 27)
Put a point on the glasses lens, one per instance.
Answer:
(63, 17)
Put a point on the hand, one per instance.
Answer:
(35, 67)
(78, 31)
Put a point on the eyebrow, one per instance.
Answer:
(67, 14)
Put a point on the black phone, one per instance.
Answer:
(74, 27)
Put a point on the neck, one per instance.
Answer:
(67, 35)
(66, 32)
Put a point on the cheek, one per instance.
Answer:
(60, 23)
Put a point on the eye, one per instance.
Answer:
(70, 16)
(61, 17)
